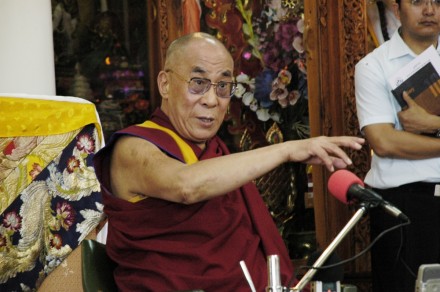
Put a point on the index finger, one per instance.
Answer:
(348, 141)
(330, 149)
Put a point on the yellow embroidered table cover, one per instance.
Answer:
(49, 195)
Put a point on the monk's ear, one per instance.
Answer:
(163, 84)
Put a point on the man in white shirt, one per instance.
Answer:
(405, 166)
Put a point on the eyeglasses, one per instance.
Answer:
(419, 3)
(197, 85)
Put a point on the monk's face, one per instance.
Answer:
(197, 117)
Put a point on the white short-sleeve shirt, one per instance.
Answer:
(376, 104)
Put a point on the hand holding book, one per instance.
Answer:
(421, 80)
(416, 119)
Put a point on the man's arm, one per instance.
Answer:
(139, 168)
(375, 111)
(389, 142)
(408, 144)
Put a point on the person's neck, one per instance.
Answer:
(418, 45)
(164, 109)
(201, 145)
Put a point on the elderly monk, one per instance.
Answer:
(182, 211)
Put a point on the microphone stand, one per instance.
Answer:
(329, 250)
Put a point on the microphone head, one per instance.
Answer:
(340, 182)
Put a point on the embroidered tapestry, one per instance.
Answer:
(49, 196)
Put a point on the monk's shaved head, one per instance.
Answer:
(176, 50)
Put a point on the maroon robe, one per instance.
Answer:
(165, 246)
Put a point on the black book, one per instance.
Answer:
(424, 87)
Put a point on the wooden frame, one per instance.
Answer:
(336, 39)
(164, 25)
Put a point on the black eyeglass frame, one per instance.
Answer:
(209, 84)
(419, 3)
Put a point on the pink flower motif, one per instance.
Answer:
(298, 44)
(286, 32)
(301, 65)
(293, 97)
(85, 143)
(271, 57)
(279, 91)
(279, 94)
(253, 105)
(300, 25)
(65, 214)
(277, 41)
(276, 83)
(283, 102)
(36, 169)
(12, 221)
(285, 77)
(72, 164)
(56, 241)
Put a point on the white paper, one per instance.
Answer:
(429, 55)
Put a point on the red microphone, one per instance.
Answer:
(340, 182)
(348, 188)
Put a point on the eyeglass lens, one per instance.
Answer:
(421, 2)
(201, 85)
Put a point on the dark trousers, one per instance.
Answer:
(396, 257)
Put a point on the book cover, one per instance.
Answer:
(424, 87)
(421, 79)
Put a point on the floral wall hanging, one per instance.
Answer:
(270, 105)
(278, 90)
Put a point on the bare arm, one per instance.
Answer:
(389, 142)
(139, 167)
(409, 144)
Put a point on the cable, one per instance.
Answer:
(292, 279)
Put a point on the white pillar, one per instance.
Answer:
(26, 47)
